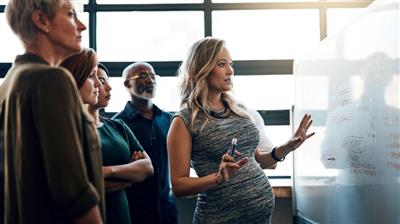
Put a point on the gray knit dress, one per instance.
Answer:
(247, 197)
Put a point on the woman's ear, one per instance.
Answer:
(41, 21)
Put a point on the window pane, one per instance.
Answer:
(265, 92)
(338, 18)
(267, 34)
(10, 46)
(279, 135)
(156, 36)
(147, 1)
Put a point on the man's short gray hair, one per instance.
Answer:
(128, 68)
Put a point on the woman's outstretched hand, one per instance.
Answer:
(301, 133)
(229, 166)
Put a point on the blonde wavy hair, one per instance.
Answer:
(194, 70)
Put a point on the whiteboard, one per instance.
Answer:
(349, 172)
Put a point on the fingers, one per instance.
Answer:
(309, 124)
(309, 135)
(232, 165)
(141, 155)
(229, 166)
(238, 153)
(227, 158)
(243, 161)
(228, 161)
(305, 124)
(225, 175)
(136, 155)
(223, 172)
(304, 120)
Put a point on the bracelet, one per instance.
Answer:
(273, 155)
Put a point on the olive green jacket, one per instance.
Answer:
(51, 151)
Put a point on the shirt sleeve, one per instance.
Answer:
(185, 115)
(58, 116)
(265, 144)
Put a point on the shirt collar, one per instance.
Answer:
(132, 112)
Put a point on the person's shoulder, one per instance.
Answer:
(44, 70)
(111, 121)
(51, 81)
(56, 76)
(254, 114)
(183, 112)
(122, 115)
(117, 124)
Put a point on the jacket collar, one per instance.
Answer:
(29, 58)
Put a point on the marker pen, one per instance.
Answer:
(234, 142)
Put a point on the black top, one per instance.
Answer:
(151, 201)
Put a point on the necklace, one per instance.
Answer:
(221, 113)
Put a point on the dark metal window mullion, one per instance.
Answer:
(207, 18)
(91, 8)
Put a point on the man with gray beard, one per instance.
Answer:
(150, 201)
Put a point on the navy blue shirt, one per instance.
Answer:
(151, 201)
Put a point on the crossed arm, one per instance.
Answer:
(121, 176)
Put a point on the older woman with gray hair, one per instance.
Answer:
(52, 157)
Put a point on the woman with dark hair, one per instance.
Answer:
(52, 157)
(83, 67)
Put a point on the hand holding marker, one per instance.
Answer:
(234, 142)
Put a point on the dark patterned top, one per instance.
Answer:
(247, 197)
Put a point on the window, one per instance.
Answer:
(10, 44)
(267, 34)
(152, 36)
(338, 18)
